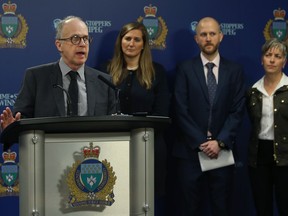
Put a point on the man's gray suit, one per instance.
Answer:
(38, 96)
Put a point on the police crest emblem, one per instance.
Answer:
(13, 29)
(91, 181)
(156, 27)
(277, 28)
(9, 182)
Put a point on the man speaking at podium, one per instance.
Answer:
(67, 87)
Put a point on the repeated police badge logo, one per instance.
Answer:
(277, 28)
(155, 26)
(13, 29)
(91, 181)
(9, 182)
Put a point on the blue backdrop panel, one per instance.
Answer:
(245, 24)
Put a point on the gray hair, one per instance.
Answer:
(275, 43)
(61, 24)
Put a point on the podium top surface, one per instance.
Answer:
(82, 124)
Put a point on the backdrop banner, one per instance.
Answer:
(27, 35)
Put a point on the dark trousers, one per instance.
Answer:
(199, 191)
(268, 181)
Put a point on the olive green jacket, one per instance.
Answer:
(254, 107)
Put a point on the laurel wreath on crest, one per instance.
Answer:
(103, 195)
(161, 36)
(20, 38)
(13, 190)
(267, 33)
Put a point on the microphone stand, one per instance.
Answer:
(117, 94)
(118, 106)
(68, 99)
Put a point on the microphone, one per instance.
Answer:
(69, 103)
(117, 92)
(107, 82)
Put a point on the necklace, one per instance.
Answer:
(132, 68)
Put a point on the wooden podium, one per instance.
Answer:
(86, 165)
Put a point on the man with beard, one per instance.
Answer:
(206, 122)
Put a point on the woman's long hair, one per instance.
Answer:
(117, 66)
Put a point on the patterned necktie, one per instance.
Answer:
(212, 86)
(211, 82)
(73, 92)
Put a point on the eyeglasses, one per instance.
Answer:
(76, 39)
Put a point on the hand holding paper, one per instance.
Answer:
(225, 158)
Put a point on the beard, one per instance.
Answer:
(210, 49)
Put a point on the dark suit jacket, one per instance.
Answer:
(39, 98)
(192, 105)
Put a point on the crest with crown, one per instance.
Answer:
(91, 152)
(9, 157)
(9, 8)
(150, 11)
(13, 31)
(278, 27)
(279, 14)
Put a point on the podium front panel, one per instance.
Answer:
(114, 148)
(52, 166)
